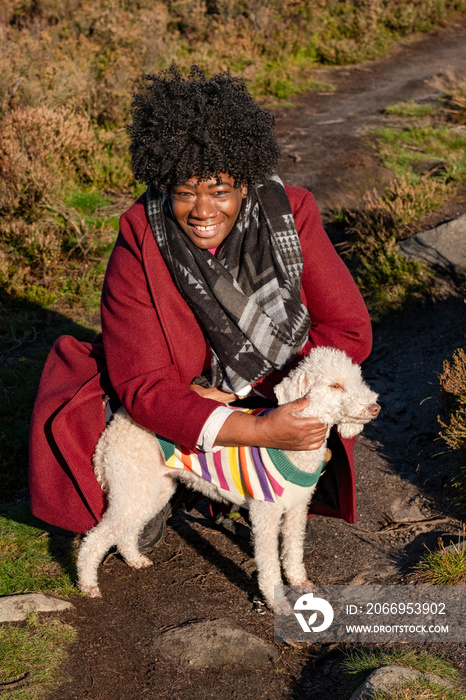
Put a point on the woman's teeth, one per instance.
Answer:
(205, 228)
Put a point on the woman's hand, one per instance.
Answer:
(281, 428)
(213, 393)
(285, 429)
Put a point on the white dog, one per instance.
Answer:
(130, 466)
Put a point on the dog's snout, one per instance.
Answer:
(374, 409)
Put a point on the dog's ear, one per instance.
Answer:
(349, 430)
(294, 386)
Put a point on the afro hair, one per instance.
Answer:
(197, 126)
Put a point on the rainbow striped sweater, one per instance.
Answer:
(260, 473)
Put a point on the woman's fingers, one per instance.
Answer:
(287, 430)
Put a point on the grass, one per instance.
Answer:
(33, 559)
(445, 566)
(402, 148)
(360, 663)
(37, 648)
(385, 277)
(426, 152)
(410, 109)
(421, 690)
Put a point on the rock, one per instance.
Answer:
(386, 679)
(429, 167)
(405, 512)
(14, 608)
(443, 246)
(213, 644)
(456, 547)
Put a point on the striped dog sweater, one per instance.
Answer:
(260, 473)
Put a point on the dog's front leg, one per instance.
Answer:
(265, 521)
(293, 533)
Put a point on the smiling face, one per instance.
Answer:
(206, 210)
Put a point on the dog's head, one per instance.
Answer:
(337, 392)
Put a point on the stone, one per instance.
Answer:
(386, 679)
(429, 167)
(14, 608)
(405, 512)
(456, 547)
(443, 246)
(214, 643)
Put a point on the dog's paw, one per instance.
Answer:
(282, 605)
(90, 591)
(141, 563)
(301, 582)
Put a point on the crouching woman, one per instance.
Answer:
(220, 280)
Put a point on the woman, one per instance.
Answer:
(220, 280)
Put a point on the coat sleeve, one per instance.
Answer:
(151, 383)
(339, 317)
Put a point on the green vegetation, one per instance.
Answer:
(410, 109)
(33, 653)
(426, 151)
(34, 560)
(359, 664)
(66, 71)
(384, 276)
(445, 566)
(453, 383)
(416, 150)
(422, 690)
(86, 55)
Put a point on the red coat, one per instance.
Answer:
(152, 349)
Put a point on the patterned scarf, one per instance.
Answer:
(247, 298)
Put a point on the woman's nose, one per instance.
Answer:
(203, 208)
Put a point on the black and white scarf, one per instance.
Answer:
(247, 298)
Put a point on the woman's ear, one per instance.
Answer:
(244, 191)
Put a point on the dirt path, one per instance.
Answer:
(326, 132)
(200, 573)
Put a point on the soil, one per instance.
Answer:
(403, 471)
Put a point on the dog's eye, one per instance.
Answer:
(336, 386)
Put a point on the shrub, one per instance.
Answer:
(40, 151)
(453, 383)
(385, 277)
(454, 95)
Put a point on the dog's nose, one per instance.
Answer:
(374, 409)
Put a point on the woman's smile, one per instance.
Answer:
(206, 210)
(205, 231)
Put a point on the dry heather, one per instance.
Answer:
(453, 88)
(66, 71)
(383, 275)
(43, 153)
(86, 55)
(453, 382)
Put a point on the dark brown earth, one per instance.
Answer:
(403, 471)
